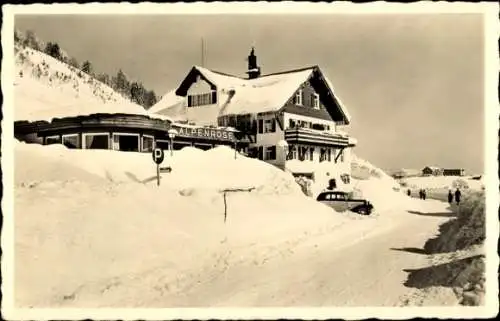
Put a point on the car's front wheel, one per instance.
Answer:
(364, 211)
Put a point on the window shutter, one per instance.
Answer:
(261, 152)
(273, 125)
(261, 126)
(214, 97)
(273, 152)
(190, 102)
(311, 155)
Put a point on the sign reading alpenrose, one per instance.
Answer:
(205, 133)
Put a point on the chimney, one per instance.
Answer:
(253, 70)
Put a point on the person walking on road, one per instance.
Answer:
(424, 194)
(408, 192)
(450, 197)
(458, 194)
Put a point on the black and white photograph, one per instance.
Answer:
(250, 160)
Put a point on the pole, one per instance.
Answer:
(158, 174)
(171, 147)
(202, 53)
(235, 151)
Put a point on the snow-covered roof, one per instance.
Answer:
(434, 168)
(243, 96)
(168, 100)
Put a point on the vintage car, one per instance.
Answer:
(342, 201)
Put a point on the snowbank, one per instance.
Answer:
(457, 255)
(191, 168)
(87, 218)
(375, 185)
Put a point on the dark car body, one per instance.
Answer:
(342, 201)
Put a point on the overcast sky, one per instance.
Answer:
(412, 83)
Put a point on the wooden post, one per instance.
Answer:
(158, 173)
(225, 208)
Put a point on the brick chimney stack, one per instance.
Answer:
(253, 70)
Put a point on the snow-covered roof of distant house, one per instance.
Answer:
(168, 100)
(433, 167)
(262, 94)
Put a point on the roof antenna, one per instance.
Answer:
(202, 52)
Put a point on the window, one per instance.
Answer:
(297, 100)
(202, 99)
(315, 100)
(292, 152)
(271, 153)
(96, 141)
(322, 155)
(291, 123)
(49, 140)
(270, 125)
(329, 154)
(147, 143)
(311, 153)
(302, 153)
(71, 141)
(126, 142)
(261, 153)
(261, 126)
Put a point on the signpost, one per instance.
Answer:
(158, 156)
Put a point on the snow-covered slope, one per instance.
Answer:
(46, 88)
(374, 184)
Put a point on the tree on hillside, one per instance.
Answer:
(87, 67)
(121, 84)
(18, 37)
(104, 78)
(137, 92)
(52, 49)
(150, 99)
(31, 40)
(73, 62)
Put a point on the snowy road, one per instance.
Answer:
(365, 270)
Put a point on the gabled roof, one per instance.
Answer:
(263, 94)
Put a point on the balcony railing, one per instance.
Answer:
(316, 137)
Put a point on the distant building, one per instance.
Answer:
(404, 173)
(432, 171)
(453, 172)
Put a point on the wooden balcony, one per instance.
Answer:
(308, 136)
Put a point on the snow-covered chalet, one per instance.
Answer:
(299, 107)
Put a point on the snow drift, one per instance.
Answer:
(100, 216)
(374, 184)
